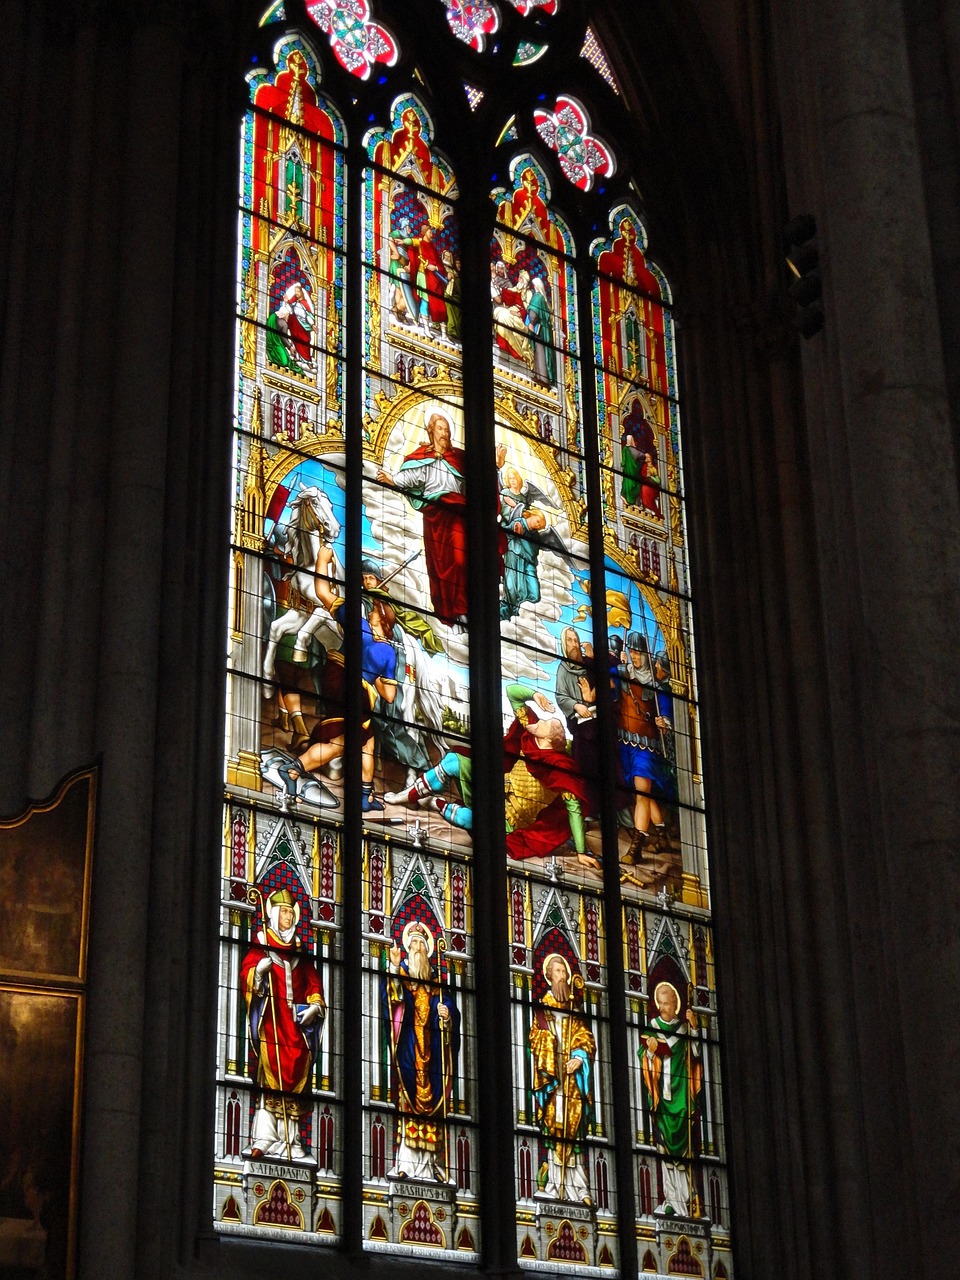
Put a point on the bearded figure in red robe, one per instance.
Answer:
(432, 477)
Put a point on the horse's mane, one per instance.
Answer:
(314, 515)
(309, 520)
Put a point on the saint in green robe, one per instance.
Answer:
(672, 1079)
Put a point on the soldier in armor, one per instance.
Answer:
(642, 711)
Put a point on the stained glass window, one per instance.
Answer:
(406, 737)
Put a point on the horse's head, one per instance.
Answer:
(312, 509)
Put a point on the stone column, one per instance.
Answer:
(888, 534)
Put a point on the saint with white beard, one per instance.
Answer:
(423, 1025)
(563, 1050)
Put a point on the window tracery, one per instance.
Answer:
(566, 130)
(472, 21)
(355, 39)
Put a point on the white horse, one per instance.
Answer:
(416, 713)
(313, 526)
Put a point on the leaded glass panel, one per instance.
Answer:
(661, 840)
(564, 1158)
(421, 1181)
(280, 1122)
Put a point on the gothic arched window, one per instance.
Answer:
(464, 866)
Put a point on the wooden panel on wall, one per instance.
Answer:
(45, 864)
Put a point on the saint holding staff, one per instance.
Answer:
(423, 1025)
(672, 1079)
(285, 1011)
(563, 1050)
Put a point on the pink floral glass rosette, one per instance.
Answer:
(523, 7)
(356, 41)
(472, 21)
(566, 130)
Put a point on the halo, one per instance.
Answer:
(548, 960)
(676, 993)
(401, 427)
(436, 409)
(419, 927)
